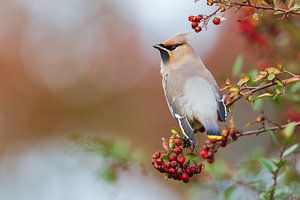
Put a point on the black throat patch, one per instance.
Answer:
(164, 54)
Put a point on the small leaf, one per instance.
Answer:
(259, 77)
(272, 70)
(228, 192)
(243, 80)
(274, 138)
(290, 150)
(291, 80)
(250, 98)
(279, 163)
(267, 94)
(190, 157)
(251, 124)
(289, 130)
(237, 66)
(165, 157)
(257, 104)
(234, 88)
(174, 131)
(255, 16)
(266, 164)
(271, 77)
(295, 87)
(108, 175)
(279, 82)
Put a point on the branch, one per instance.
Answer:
(264, 129)
(275, 176)
(253, 90)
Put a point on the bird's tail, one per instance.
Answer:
(212, 129)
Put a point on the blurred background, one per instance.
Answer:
(87, 67)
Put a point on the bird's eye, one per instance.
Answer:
(173, 47)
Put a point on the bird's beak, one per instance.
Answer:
(157, 46)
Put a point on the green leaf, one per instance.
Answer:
(108, 175)
(267, 94)
(289, 130)
(290, 150)
(120, 149)
(259, 77)
(271, 77)
(174, 131)
(266, 164)
(274, 138)
(295, 87)
(279, 163)
(190, 157)
(257, 104)
(237, 66)
(165, 158)
(272, 70)
(243, 80)
(255, 16)
(228, 192)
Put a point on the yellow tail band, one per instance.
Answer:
(215, 137)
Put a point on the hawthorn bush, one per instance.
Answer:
(272, 29)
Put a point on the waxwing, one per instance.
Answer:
(192, 94)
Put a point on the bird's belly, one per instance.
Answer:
(200, 100)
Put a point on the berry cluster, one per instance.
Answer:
(174, 163)
(199, 21)
(210, 147)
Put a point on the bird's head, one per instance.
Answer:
(175, 50)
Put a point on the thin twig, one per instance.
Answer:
(259, 88)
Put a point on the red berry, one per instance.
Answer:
(188, 170)
(210, 154)
(198, 29)
(156, 155)
(181, 159)
(171, 171)
(232, 132)
(185, 177)
(153, 161)
(197, 18)
(158, 167)
(174, 163)
(167, 164)
(177, 150)
(173, 158)
(179, 171)
(216, 20)
(225, 133)
(194, 169)
(211, 160)
(204, 153)
(191, 18)
(194, 24)
(159, 161)
(202, 129)
(223, 143)
(213, 141)
(178, 141)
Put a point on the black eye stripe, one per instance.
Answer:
(171, 47)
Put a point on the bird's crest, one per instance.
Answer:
(180, 38)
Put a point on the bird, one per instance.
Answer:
(192, 94)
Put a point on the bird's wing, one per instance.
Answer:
(222, 113)
(175, 104)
